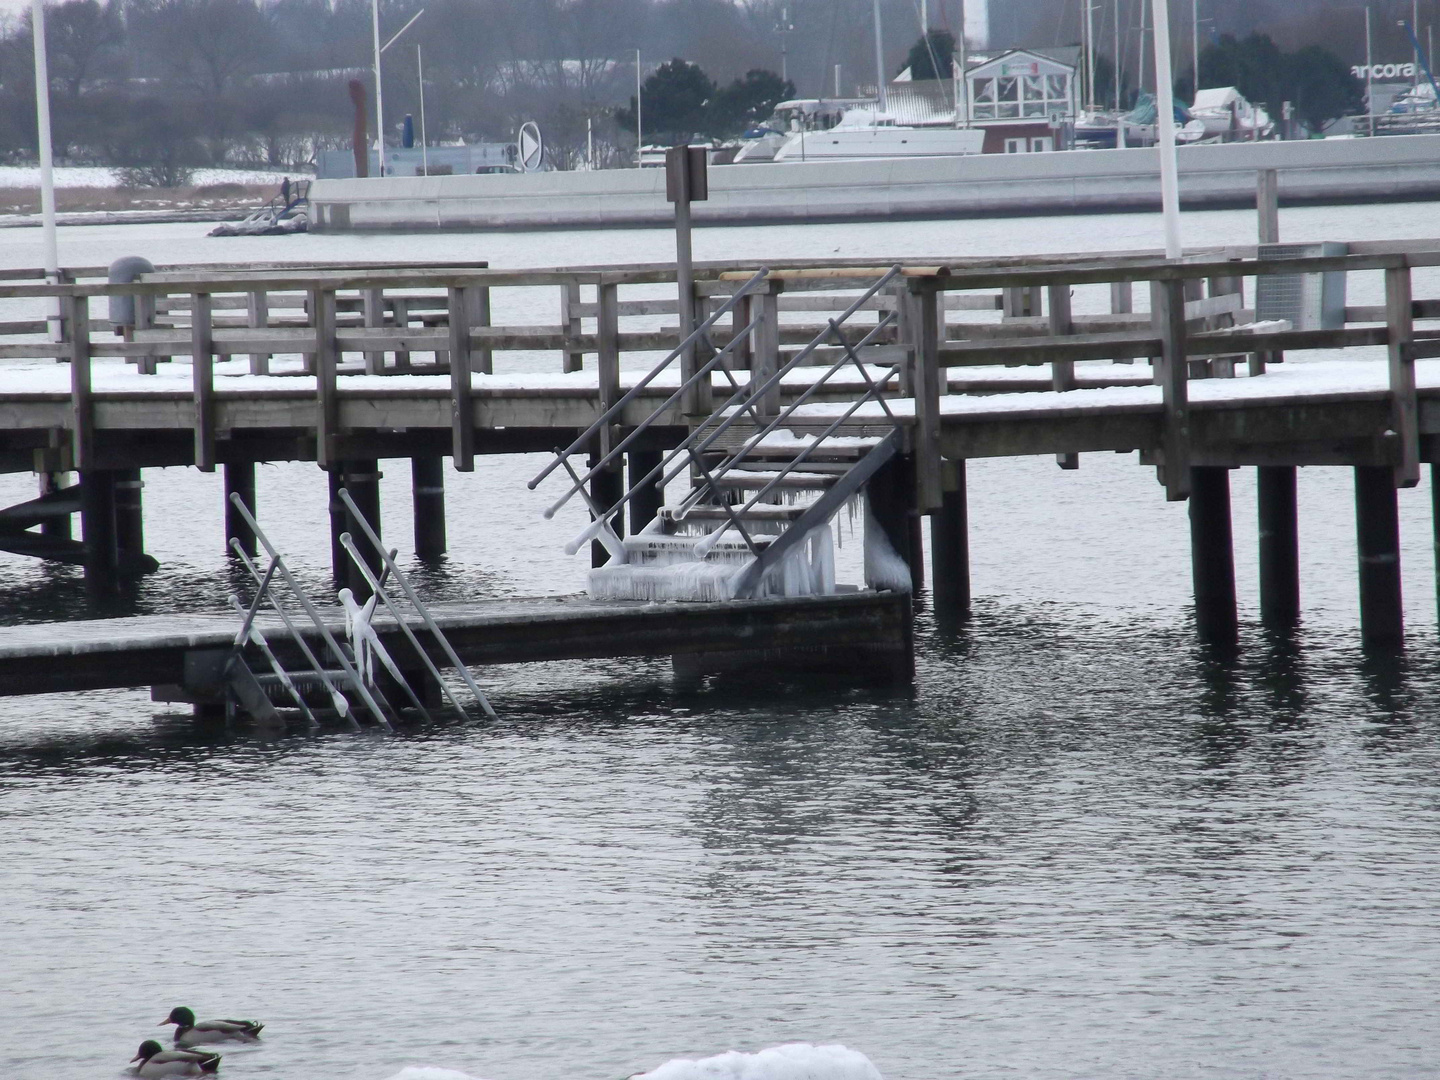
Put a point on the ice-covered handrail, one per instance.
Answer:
(749, 391)
(703, 373)
(615, 410)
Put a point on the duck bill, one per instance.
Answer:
(136, 1058)
(164, 1023)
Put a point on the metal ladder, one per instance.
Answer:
(340, 670)
(741, 460)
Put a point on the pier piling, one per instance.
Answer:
(129, 514)
(58, 526)
(950, 544)
(361, 478)
(97, 526)
(647, 501)
(1279, 545)
(1212, 554)
(240, 480)
(427, 484)
(1377, 534)
(606, 490)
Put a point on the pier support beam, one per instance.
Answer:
(129, 515)
(427, 483)
(646, 502)
(1212, 554)
(97, 525)
(59, 526)
(606, 490)
(1279, 545)
(950, 544)
(239, 480)
(889, 498)
(1377, 534)
(361, 478)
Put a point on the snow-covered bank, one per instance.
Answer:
(96, 176)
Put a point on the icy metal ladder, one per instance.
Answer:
(354, 662)
(739, 441)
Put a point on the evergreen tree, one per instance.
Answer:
(676, 98)
(747, 102)
(932, 56)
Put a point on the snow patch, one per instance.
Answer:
(793, 1061)
(430, 1072)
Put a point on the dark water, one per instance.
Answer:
(1081, 846)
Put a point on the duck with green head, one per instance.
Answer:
(190, 1032)
(156, 1061)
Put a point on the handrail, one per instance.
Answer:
(750, 392)
(702, 372)
(700, 331)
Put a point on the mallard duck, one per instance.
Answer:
(155, 1061)
(189, 1032)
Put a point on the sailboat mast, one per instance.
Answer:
(879, 60)
(1090, 48)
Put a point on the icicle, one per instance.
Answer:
(884, 568)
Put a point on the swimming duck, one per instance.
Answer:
(190, 1033)
(155, 1061)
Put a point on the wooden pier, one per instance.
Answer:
(346, 366)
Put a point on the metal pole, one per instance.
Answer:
(379, 92)
(1140, 77)
(1369, 77)
(1165, 102)
(1090, 50)
(1195, 44)
(1415, 35)
(639, 139)
(1117, 65)
(879, 61)
(424, 142)
(924, 18)
(47, 161)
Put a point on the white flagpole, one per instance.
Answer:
(1165, 104)
(47, 161)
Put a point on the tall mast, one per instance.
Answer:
(879, 60)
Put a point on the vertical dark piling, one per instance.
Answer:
(427, 485)
(647, 500)
(950, 545)
(889, 499)
(240, 480)
(58, 527)
(97, 525)
(1279, 545)
(361, 479)
(1377, 535)
(1212, 554)
(129, 514)
(606, 490)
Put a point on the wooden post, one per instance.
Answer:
(1167, 313)
(373, 304)
(361, 479)
(400, 318)
(766, 360)
(686, 181)
(57, 527)
(888, 500)
(462, 408)
(1404, 408)
(82, 414)
(1122, 297)
(129, 515)
(239, 480)
(1434, 523)
(339, 558)
(483, 358)
(202, 369)
(145, 320)
(257, 317)
(928, 494)
(1279, 545)
(606, 489)
(574, 360)
(97, 527)
(427, 482)
(326, 357)
(1267, 205)
(1377, 533)
(950, 544)
(1212, 554)
(1062, 372)
(646, 503)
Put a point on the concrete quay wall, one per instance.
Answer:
(1339, 170)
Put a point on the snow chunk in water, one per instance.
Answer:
(793, 1061)
(429, 1072)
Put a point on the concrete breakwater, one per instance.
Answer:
(1339, 170)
